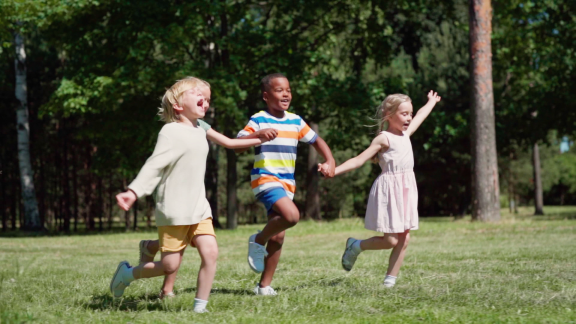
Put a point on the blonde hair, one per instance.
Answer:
(172, 97)
(388, 107)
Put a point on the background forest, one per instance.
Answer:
(96, 70)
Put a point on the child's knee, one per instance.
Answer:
(406, 240)
(278, 238)
(210, 255)
(292, 217)
(170, 267)
(391, 239)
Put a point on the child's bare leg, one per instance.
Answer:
(388, 241)
(274, 249)
(170, 276)
(286, 215)
(169, 264)
(398, 253)
(208, 250)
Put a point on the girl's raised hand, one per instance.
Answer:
(433, 96)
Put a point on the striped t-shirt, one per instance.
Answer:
(275, 161)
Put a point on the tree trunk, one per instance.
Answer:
(211, 178)
(3, 200)
(16, 199)
(100, 205)
(538, 195)
(312, 192)
(485, 186)
(135, 224)
(231, 180)
(149, 210)
(31, 215)
(110, 200)
(74, 193)
(65, 181)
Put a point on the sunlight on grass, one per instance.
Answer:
(521, 270)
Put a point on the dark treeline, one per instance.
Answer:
(96, 70)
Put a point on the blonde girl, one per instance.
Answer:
(393, 201)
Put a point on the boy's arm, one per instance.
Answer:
(321, 147)
(423, 112)
(230, 143)
(264, 135)
(379, 143)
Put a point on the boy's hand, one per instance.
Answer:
(433, 96)
(327, 169)
(267, 134)
(126, 199)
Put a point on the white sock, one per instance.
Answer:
(390, 280)
(356, 247)
(199, 304)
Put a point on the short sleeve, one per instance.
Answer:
(250, 128)
(204, 125)
(306, 134)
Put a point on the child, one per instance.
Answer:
(272, 176)
(176, 170)
(149, 248)
(392, 205)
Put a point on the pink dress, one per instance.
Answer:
(393, 202)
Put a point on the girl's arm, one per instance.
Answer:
(230, 143)
(379, 143)
(423, 112)
(265, 135)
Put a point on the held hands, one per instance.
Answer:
(267, 134)
(126, 199)
(327, 168)
(433, 96)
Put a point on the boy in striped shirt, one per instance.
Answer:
(272, 177)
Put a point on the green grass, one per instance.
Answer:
(522, 270)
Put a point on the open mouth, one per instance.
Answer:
(200, 103)
(285, 101)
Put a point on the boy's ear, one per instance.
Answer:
(177, 107)
(265, 96)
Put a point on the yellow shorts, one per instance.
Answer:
(175, 238)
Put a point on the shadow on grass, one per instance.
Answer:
(555, 216)
(106, 302)
(147, 301)
(153, 303)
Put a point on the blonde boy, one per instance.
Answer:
(175, 171)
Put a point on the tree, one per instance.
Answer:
(31, 215)
(485, 185)
(538, 192)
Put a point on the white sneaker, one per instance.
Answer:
(145, 254)
(264, 291)
(200, 311)
(349, 256)
(256, 255)
(118, 283)
(169, 295)
(389, 284)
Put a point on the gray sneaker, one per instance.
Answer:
(256, 255)
(118, 284)
(349, 256)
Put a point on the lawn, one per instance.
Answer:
(522, 270)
